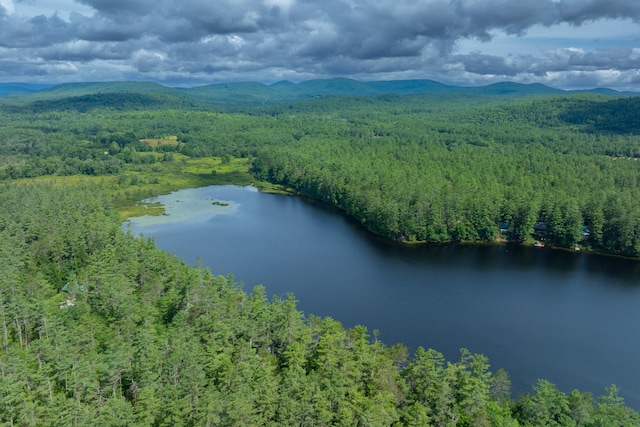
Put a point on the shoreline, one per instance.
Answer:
(279, 189)
(497, 242)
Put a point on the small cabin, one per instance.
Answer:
(72, 288)
(504, 227)
(540, 227)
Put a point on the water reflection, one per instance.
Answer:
(624, 271)
(511, 256)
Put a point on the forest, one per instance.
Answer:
(101, 328)
(526, 164)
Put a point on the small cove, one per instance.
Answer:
(571, 318)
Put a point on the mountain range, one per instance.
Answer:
(248, 93)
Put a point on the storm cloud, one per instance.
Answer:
(203, 41)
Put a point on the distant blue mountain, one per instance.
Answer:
(508, 88)
(285, 91)
(253, 94)
(20, 88)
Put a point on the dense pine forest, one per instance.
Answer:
(101, 328)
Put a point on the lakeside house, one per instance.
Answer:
(71, 290)
(540, 227)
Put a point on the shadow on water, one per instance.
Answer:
(625, 271)
(511, 256)
(487, 256)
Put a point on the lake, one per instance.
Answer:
(571, 318)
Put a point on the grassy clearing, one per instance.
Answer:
(166, 177)
(139, 182)
(154, 143)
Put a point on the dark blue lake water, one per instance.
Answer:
(571, 318)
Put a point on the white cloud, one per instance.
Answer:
(236, 41)
(63, 8)
(61, 68)
(8, 6)
(282, 5)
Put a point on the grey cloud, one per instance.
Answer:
(580, 11)
(147, 61)
(106, 30)
(13, 69)
(33, 68)
(120, 7)
(576, 59)
(516, 17)
(220, 16)
(37, 31)
(215, 46)
(361, 29)
(488, 64)
(83, 51)
(561, 60)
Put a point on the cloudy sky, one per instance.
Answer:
(562, 43)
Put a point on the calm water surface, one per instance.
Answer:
(571, 318)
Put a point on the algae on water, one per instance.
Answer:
(191, 204)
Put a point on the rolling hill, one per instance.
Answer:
(256, 94)
(20, 88)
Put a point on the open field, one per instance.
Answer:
(156, 142)
(141, 182)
